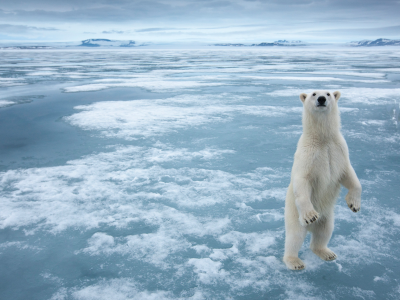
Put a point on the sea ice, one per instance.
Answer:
(176, 181)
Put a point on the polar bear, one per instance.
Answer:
(321, 164)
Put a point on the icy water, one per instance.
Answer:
(161, 174)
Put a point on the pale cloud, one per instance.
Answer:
(114, 32)
(22, 29)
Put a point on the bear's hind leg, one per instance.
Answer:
(295, 236)
(321, 234)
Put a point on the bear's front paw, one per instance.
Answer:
(354, 203)
(309, 218)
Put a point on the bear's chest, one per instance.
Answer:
(327, 164)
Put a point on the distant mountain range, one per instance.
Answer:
(107, 43)
(276, 43)
(378, 42)
(25, 47)
(281, 43)
(230, 45)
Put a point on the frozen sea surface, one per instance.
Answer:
(161, 174)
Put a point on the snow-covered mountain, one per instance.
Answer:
(282, 43)
(378, 42)
(25, 47)
(106, 43)
(276, 43)
(230, 45)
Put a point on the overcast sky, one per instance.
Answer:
(236, 21)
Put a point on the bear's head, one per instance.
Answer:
(320, 101)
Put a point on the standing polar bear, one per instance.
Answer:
(321, 164)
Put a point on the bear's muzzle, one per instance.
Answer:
(321, 101)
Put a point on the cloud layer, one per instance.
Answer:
(242, 20)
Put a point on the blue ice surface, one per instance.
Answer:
(161, 174)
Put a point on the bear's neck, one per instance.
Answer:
(322, 127)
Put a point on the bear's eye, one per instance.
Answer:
(314, 94)
(328, 94)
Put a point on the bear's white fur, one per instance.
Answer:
(321, 164)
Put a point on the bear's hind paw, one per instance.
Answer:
(326, 254)
(294, 263)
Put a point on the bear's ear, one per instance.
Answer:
(337, 95)
(303, 97)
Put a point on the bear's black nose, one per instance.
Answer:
(321, 100)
